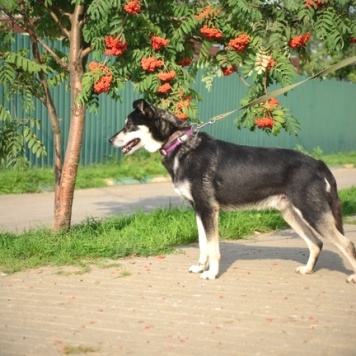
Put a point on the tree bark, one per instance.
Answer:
(65, 189)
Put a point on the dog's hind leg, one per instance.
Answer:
(294, 218)
(209, 244)
(328, 230)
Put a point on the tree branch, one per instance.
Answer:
(53, 9)
(86, 52)
(54, 16)
(53, 54)
(242, 79)
(28, 28)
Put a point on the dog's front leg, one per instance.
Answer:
(203, 253)
(209, 245)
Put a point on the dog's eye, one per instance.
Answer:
(130, 125)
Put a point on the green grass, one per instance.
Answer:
(139, 166)
(348, 198)
(337, 159)
(140, 234)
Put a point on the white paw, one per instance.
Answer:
(351, 279)
(304, 270)
(197, 268)
(208, 275)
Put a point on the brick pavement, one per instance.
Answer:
(153, 306)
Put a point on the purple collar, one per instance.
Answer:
(174, 141)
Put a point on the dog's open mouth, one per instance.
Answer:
(127, 148)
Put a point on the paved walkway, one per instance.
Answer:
(153, 306)
(22, 211)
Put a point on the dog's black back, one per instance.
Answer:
(243, 176)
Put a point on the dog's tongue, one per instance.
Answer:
(129, 146)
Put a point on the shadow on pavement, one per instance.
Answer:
(147, 204)
(232, 253)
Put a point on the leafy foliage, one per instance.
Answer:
(270, 26)
(15, 136)
(18, 134)
(252, 40)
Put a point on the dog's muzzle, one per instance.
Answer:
(129, 146)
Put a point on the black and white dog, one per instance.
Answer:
(213, 175)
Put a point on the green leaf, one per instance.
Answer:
(4, 114)
(21, 62)
(57, 79)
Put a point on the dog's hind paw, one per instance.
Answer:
(208, 275)
(351, 279)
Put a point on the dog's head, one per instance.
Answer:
(146, 127)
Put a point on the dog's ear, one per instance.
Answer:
(144, 107)
(151, 112)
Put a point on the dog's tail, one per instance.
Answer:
(333, 198)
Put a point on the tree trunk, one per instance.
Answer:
(65, 190)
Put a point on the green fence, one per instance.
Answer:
(326, 110)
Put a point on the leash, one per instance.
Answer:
(216, 118)
(275, 93)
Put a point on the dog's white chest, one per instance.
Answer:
(184, 190)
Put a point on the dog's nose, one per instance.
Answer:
(111, 139)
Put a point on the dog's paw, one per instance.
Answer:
(303, 270)
(351, 279)
(197, 268)
(208, 275)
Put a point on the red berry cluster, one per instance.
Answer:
(267, 122)
(158, 42)
(264, 122)
(104, 82)
(299, 41)
(114, 46)
(205, 13)
(164, 88)
(132, 7)
(239, 43)
(150, 64)
(312, 3)
(183, 104)
(273, 102)
(228, 70)
(166, 76)
(211, 33)
(185, 62)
